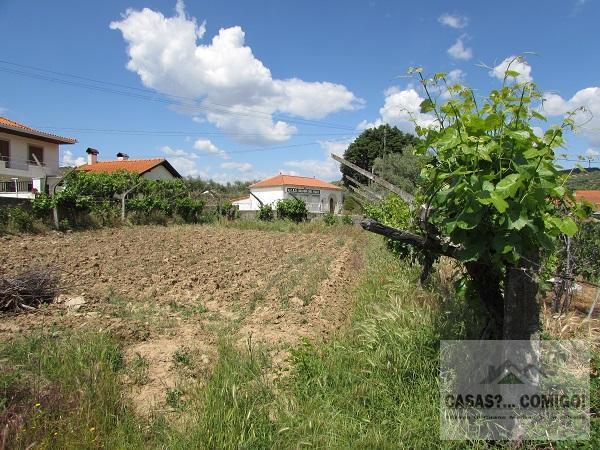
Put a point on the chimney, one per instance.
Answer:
(92, 155)
(122, 156)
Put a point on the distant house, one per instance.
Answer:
(151, 169)
(319, 196)
(28, 159)
(591, 196)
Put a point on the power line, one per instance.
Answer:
(103, 86)
(170, 132)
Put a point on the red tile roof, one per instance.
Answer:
(590, 196)
(139, 166)
(293, 180)
(12, 125)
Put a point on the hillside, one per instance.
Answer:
(586, 180)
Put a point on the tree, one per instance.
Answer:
(494, 197)
(401, 169)
(373, 143)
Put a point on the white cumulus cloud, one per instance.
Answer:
(206, 146)
(184, 162)
(459, 50)
(592, 153)
(516, 64)
(588, 120)
(68, 160)
(453, 20)
(237, 91)
(326, 168)
(403, 106)
(241, 166)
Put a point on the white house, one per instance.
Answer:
(151, 169)
(319, 196)
(28, 159)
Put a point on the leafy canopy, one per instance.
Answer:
(372, 144)
(401, 169)
(293, 209)
(493, 183)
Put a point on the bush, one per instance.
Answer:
(4, 217)
(20, 220)
(351, 205)
(228, 210)
(189, 209)
(394, 212)
(329, 219)
(41, 206)
(586, 250)
(265, 213)
(293, 209)
(347, 220)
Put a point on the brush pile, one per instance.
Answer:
(29, 289)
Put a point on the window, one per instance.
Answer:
(36, 155)
(4, 151)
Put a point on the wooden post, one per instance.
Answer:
(360, 194)
(408, 198)
(124, 198)
(365, 188)
(55, 217)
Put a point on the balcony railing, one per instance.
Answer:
(19, 186)
(20, 164)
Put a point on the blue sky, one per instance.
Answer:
(245, 89)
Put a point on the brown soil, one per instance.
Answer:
(170, 294)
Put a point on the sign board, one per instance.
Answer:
(303, 191)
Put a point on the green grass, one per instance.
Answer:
(375, 385)
(67, 393)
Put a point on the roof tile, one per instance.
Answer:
(590, 196)
(293, 180)
(11, 123)
(130, 165)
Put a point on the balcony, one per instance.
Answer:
(22, 167)
(16, 187)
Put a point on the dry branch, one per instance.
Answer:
(28, 290)
(425, 243)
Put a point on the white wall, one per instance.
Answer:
(244, 204)
(19, 154)
(268, 195)
(158, 173)
(315, 203)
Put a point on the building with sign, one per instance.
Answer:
(319, 196)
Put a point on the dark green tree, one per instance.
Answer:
(374, 143)
(401, 169)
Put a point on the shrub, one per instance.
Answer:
(228, 210)
(329, 219)
(586, 250)
(293, 209)
(4, 217)
(347, 220)
(20, 220)
(41, 206)
(189, 209)
(394, 212)
(265, 213)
